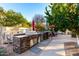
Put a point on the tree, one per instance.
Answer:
(39, 20)
(26, 24)
(2, 16)
(64, 16)
(39, 27)
(57, 15)
(11, 18)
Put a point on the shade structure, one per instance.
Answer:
(33, 25)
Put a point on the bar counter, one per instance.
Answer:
(21, 43)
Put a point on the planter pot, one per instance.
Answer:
(77, 40)
(73, 35)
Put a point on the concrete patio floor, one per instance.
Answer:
(50, 47)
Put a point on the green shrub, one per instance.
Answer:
(3, 52)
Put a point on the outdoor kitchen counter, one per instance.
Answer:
(26, 35)
(21, 43)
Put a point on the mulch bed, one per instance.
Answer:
(71, 49)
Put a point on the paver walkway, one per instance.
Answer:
(51, 47)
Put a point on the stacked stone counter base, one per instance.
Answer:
(21, 43)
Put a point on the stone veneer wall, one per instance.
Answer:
(20, 45)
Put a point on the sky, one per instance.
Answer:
(28, 10)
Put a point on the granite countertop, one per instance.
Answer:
(26, 35)
(20, 36)
(29, 34)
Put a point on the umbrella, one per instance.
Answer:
(33, 25)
